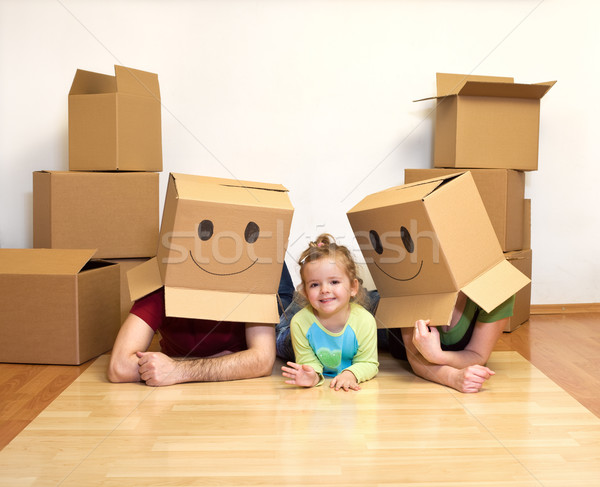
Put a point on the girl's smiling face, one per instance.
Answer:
(328, 288)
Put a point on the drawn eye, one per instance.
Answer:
(376, 242)
(407, 240)
(205, 230)
(251, 232)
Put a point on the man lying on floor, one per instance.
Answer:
(192, 350)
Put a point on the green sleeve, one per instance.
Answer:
(304, 353)
(505, 310)
(365, 363)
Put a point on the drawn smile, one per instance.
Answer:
(399, 279)
(218, 274)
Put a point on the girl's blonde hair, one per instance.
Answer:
(325, 246)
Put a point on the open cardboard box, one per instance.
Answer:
(125, 265)
(114, 121)
(56, 306)
(503, 195)
(426, 242)
(221, 250)
(116, 213)
(487, 122)
(521, 259)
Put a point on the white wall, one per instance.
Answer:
(317, 96)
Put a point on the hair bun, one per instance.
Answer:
(323, 240)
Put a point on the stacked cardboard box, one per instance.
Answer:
(107, 203)
(490, 126)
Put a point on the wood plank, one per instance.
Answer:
(566, 348)
(522, 430)
(558, 309)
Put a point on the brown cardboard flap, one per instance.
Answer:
(144, 279)
(451, 84)
(44, 261)
(87, 83)
(471, 85)
(504, 90)
(221, 305)
(136, 82)
(240, 192)
(404, 311)
(402, 194)
(496, 285)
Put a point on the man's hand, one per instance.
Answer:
(157, 369)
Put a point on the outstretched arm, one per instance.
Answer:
(468, 377)
(477, 352)
(134, 336)
(257, 361)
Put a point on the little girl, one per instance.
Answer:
(333, 335)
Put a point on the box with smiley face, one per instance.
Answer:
(221, 249)
(426, 242)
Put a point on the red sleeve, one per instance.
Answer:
(151, 308)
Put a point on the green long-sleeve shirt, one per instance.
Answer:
(353, 349)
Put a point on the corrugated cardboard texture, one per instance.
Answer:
(487, 122)
(522, 260)
(502, 192)
(115, 121)
(527, 224)
(221, 306)
(225, 261)
(435, 307)
(125, 265)
(60, 314)
(116, 213)
(220, 239)
(454, 248)
(144, 279)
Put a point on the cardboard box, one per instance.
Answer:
(503, 195)
(426, 242)
(221, 250)
(114, 121)
(56, 306)
(125, 265)
(521, 260)
(527, 224)
(116, 213)
(487, 122)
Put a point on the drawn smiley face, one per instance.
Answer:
(206, 230)
(409, 246)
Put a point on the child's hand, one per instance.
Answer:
(300, 375)
(346, 380)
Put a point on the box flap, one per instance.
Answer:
(202, 188)
(504, 90)
(472, 85)
(144, 279)
(496, 285)
(396, 195)
(44, 261)
(136, 82)
(221, 305)
(403, 193)
(404, 311)
(87, 82)
(451, 84)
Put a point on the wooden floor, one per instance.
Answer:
(523, 429)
